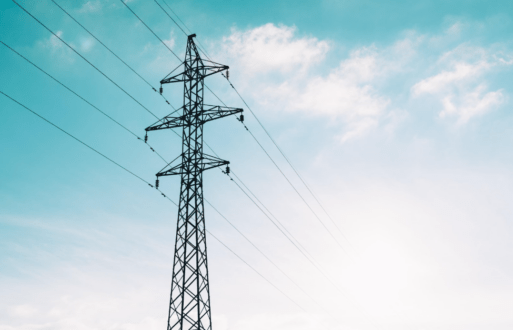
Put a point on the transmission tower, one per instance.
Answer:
(189, 306)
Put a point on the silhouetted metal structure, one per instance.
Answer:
(189, 307)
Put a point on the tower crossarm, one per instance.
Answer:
(213, 112)
(204, 71)
(167, 122)
(209, 113)
(206, 162)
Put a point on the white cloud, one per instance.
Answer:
(171, 41)
(346, 94)
(91, 6)
(284, 73)
(160, 56)
(273, 48)
(23, 310)
(471, 103)
(57, 48)
(288, 72)
(461, 86)
(86, 44)
(347, 91)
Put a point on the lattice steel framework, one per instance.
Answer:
(189, 306)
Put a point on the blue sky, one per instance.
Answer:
(398, 115)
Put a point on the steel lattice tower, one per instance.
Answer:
(189, 306)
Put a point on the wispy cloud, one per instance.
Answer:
(289, 72)
(285, 70)
(461, 86)
(57, 48)
(90, 7)
(271, 48)
(86, 44)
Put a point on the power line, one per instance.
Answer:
(200, 48)
(165, 2)
(75, 51)
(172, 18)
(256, 271)
(249, 108)
(134, 134)
(322, 223)
(162, 41)
(290, 240)
(112, 52)
(272, 215)
(76, 94)
(270, 137)
(94, 66)
(82, 98)
(77, 139)
(153, 32)
(290, 164)
(295, 189)
(143, 180)
(138, 74)
(320, 270)
(265, 256)
(260, 146)
(287, 232)
(274, 142)
(131, 132)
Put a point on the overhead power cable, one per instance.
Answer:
(273, 216)
(120, 58)
(265, 256)
(77, 139)
(289, 239)
(258, 144)
(85, 59)
(74, 50)
(256, 271)
(201, 47)
(204, 51)
(112, 52)
(260, 123)
(134, 134)
(297, 192)
(266, 209)
(82, 98)
(162, 41)
(276, 221)
(143, 180)
(91, 103)
(261, 146)
(292, 166)
(171, 18)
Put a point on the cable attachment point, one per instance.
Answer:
(146, 137)
(161, 89)
(227, 75)
(157, 183)
(241, 118)
(227, 171)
